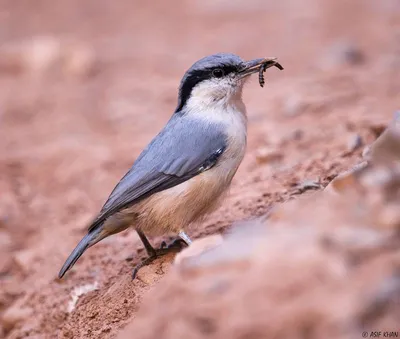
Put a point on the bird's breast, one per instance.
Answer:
(175, 208)
(236, 135)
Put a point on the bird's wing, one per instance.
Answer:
(182, 150)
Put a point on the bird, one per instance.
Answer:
(183, 173)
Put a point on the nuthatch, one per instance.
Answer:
(182, 174)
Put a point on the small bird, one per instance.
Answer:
(184, 171)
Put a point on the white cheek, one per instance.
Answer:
(215, 89)
(206, 90)
(218, 102)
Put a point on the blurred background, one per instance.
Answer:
(85, 85)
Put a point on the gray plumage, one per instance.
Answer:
(200, 71)
(180, 176)
(175, 155)
(164, 163)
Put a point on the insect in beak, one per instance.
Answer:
(260, 66)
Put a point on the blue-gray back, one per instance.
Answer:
(183, 149)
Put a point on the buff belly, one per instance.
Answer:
(172, 210)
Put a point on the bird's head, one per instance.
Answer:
(218, 79)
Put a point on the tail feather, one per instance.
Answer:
(87, 241)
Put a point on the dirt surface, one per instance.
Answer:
(251, 286)
(86, 85)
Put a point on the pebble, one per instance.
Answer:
(308, 185)
(79, 60)
(5, 239)
(344, 52)
(15, 314)
(23, 259)
(5, 267)
(293, 105)
(10, 61)
(198, 247)
(354, 142)
(41, 53)
(377, 129)
(297, 135)
(345, 179)
(389, 217)
(79, 291)
(366, 151)
(351, 54)
(266, 155)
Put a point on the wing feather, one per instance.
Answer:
(182, 150)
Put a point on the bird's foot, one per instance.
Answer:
(177, 243)
(164, 249)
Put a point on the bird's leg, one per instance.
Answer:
(154, 253)
(149, 249)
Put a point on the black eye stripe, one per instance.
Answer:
(229, 69)
(226, 69)
(195, 77)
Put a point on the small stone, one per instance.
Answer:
(345, 52)
(129, 258)
(67, 333)
(340, 183)
(10, 61)
(107, 328)
(266, 155)
(308, 185)
(14, 315)
(5, 239)
(297, 134)
(5, 266)
(389, 217)
(293, 105)
(198, 247)
(23, 259)
(354, 142)
(366, 152)
(352, 55)
(149, 274)
(79, 60)
(93, 314)
(79, 291)
(377, 129)
(41, 53)
(345, 180)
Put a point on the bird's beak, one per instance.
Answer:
(254, 66)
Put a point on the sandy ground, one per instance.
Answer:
(86, 85)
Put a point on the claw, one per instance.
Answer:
(175, 246)
(164, 249)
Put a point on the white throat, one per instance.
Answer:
(222, 104)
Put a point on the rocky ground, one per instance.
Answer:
(85, 86)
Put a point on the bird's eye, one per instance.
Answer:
(218, 73)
